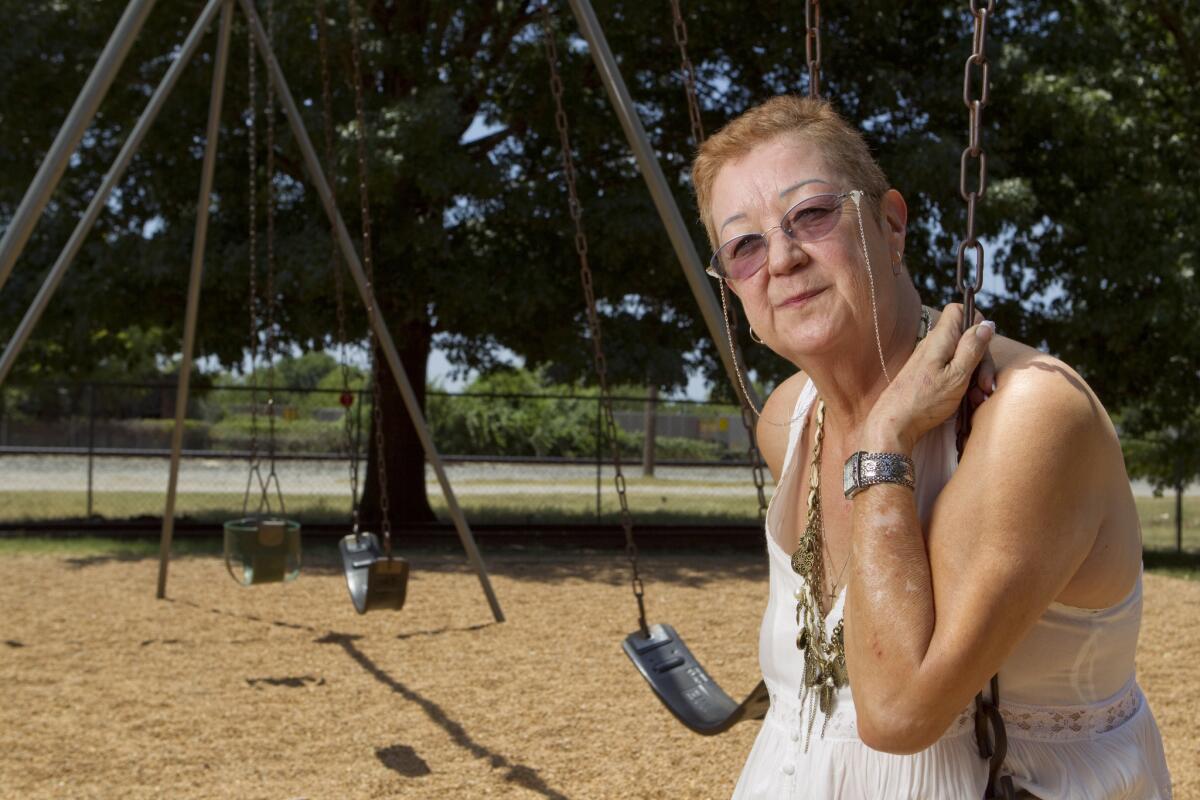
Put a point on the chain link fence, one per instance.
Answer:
(100, 451)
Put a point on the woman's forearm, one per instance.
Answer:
(889, 605)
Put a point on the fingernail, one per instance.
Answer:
(986, 330)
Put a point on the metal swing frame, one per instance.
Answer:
(663, 659)
(658, 652)
(50, 172)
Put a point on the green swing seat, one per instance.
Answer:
(262, 550)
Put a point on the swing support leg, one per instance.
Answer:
(100, 198)
(367, 292)
(664, 201)
(197, 272)
(69, 135)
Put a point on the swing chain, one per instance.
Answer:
(812, 46)
(360, 117)
(252, 243)
(593, 318)
(270, 287)
(756, 459)
(335, 262)
(976, 73)
(689, 73)
(757, 464)
(993, 748)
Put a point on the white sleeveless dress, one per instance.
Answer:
(1078, 725)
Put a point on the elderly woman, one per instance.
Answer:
(902, 579)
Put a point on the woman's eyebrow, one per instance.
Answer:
(804, 182)
(731, 219)
(782, 195)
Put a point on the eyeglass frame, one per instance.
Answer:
(714, 270)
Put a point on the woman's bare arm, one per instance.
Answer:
(930, 616)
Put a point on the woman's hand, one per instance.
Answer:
(932, 383)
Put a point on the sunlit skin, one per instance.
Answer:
(1039, 509)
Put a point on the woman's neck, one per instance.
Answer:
(850, 383)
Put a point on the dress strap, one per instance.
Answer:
(799, 420)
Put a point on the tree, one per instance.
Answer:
(1091, 207)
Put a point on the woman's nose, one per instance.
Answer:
(784, 253)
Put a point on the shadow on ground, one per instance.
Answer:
(519, 774)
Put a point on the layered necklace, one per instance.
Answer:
(824, 653)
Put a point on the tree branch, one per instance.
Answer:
(1173, 22)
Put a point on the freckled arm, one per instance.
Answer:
(889, 604)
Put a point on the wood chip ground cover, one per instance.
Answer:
(284, 692)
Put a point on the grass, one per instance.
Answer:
(565, 508)
(485, 508)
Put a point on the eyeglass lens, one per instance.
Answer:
(807, 221)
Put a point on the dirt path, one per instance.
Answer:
(283, 692)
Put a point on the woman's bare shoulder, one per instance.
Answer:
(775, 421)
(1041, 389)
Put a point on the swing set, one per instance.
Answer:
(264, 546)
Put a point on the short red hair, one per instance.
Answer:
(813, 121)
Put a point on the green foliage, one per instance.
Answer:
(1093, 209)
(562, 421)
(562, 425)
(1166, 455)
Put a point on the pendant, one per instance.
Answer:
(811, 669)
(840, 676)
(827, 694)
(802, 639)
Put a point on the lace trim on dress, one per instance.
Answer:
(1056, 723)
(1038, 723)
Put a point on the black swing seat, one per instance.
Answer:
(685, 688)
(375, 580)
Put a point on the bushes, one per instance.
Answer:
(558, 423)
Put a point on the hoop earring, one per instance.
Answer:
(754, 337)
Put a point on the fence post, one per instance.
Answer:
(1179, 512)
(649, 426)
(599, 454)
(91, 468)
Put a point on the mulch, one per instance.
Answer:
(284, 692)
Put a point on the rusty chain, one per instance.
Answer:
(757, 463)
(360, 118)
(812, 46)
(976, 95)
(975, 75)
(689, 74)
(335, 263)
(593, 317)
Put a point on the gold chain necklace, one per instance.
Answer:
(824, 655)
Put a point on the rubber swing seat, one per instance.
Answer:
(375, 580)
(685, 688)
(262, 550)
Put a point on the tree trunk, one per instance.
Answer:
(649, 427)
(404, 456)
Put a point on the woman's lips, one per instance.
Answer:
(800, 299)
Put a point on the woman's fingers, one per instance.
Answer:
(971, 348)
